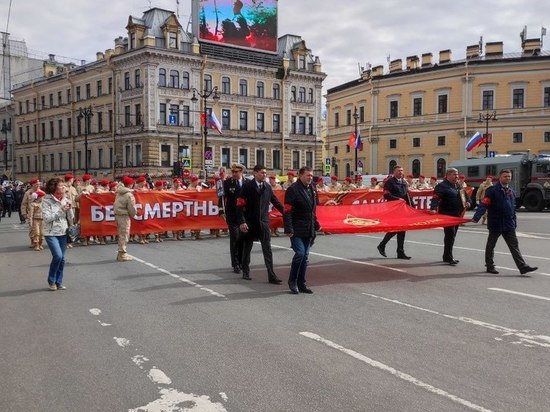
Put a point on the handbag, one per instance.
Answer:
(73, 233)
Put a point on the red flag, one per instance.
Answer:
(3, 143)
(351, 141)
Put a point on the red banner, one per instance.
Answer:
(357, 211)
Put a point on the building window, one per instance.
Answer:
(442, 104)
(79, 159)
(336, 119)
(43, 101)
(260, 157)
(295, 159)
(173, 40)
(276, 159)
(362, 114)
(226, 119)
(310, 95)
(70, 159)
(416, 141)
(302, 94)
(417, 106)
(226, 156)
(175, 111)
(393, 143)
(348, 148)
(100, 158)
(137, 78)
(110, 120)
(276, 91)
(174, 79)
(138, 114)
(60, 161)
(518, 98)
(127, 81)
(226, 85)
(310, 119)
(260, 89)
(348, 170)
(78, 126)
(243, 156)
(301, 125)
(441, 167)
(309, 159)
(99, 86)
(52, 162)
(335, 149)
(51, 130)
(348, 117)
(162, 77)
(139, 155)
(293, 124)
(243, 87)
(416, 167)
(293, 94)
(441, 140)
(59, 100)
(60, 128)
(99, 121)
(546, 99)
(517, 137)
(546, 137)
(260, 127)
(51, 103)
(185, 80)
(162, 113)
(276, 123)
(391, 165)
(394, 109)
(69, 127)
(88, 90)
(207, 82)
(488, 100)
(185, 121)
(127, 116)
(243, 120)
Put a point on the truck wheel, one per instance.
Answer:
(533, 201)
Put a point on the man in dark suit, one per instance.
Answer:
(301, 225)
(450, 199)
(253, 217)
(228, 209)
(396, 188)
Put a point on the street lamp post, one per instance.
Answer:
(355, 118)
(486, 118)
(204, 95)
(85, 113)
(6, 127)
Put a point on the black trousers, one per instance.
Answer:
(511, 240)
(400, 240)
(265, 240)
(449, 241)
(235, 244)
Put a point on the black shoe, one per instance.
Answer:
(246, 276)
(381, 250)
(236, 269)
(527, 269)
(305, 289)
(403, 256)
(492, 270)
(275, 280)
(451, 262)
(293, 288)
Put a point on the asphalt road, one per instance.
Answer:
(176, 330)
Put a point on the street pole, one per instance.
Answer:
(85, 114)
(486, 118)
(6, 127)
(355, 117)
(204, 95)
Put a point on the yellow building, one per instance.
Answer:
(421, 116)
(137, 109)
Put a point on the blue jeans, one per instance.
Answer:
(58, 247)
(300, 246)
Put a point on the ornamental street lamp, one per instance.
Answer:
(355, 117)
(6, 127)
(486, 118)
(204, 95)
(85, 113)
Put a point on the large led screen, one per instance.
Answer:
(243, 23)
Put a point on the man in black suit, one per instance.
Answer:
(395, 188)
(228, 209)
(253, 217)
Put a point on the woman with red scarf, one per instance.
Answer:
(57, 214)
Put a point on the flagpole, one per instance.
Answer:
(485, 118)
(355, 117)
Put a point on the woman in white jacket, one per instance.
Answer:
(58, 215)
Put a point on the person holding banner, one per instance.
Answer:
(396, 188)
(450, 199)
(253, 217)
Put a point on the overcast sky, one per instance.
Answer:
(342, 33)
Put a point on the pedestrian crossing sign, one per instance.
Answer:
(186, 163)
(327, 169)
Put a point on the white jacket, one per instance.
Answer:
(56, 220)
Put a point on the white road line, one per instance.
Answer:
(181, 278)
(513, 292)
(397, 373)
(358, 262)
(525, 338)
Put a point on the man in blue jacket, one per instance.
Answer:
(500, 204)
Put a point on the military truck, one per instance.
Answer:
(530, 176)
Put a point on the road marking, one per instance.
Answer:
(397, 373)
(170, 399)
(525, 337)
(513, 292)
(181, 278)
(358, 262)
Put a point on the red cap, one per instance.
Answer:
(127, 180)
(385, 180)
(86, 177)
(113, 184)
(410, 176)
(462, 177)
(69, 176)
(77, 179)
(141, 179)
(373, 179)
(104, 182)
(176, 180)
(93, 182)
(34, 181)
(159, 183)
(433, 178)
(422, 177)
(348, 179)
(40, 193)
(212, 182)
(194, 178)
(273, 177)
(489, 177)
(291, 173)
(334, 178)
(359, 177)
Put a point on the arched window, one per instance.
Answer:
(276, 91)
(137, 78)
(310, 96)
(162, 77)
(441, 167)
(302, 94)
(335, 169)
(174, 78)
(293, 94)
(226, 85)
(416, 167)
(243, 87)
(185, 80)
(207, 82)
(391, 165)
(348, 170)
(260, 89)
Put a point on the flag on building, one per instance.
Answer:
(476, 140)
(212, 121)
(358, 141)
(351, 140)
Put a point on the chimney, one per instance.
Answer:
(82, 62)
(51, 57)
(427, 59)
(377, 71)
(119, 45)
(445, 56)
(412, 62)
(109, 53)
(396, 66)
(494, 49)
(472, 51)
(531, 47)
(317, 65)
(99, 56)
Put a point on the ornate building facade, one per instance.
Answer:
(132, 110)
(422, 116)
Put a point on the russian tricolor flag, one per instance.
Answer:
(476, 140)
